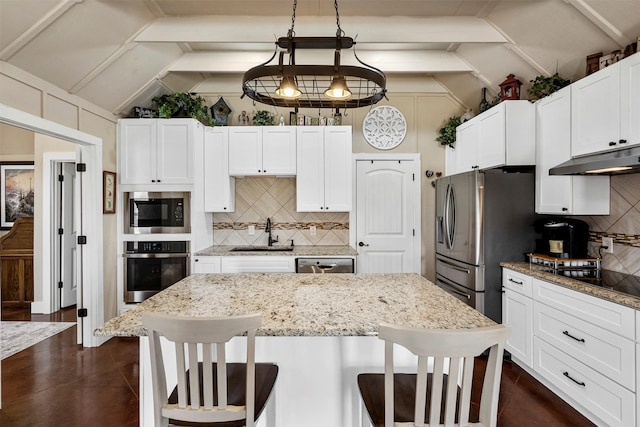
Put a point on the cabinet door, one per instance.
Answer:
(337, 169)
(245, 150)
(491, 149)
(517, 312)
(310, 176)
(595, 111)
(219, 188)
(174, 151)
(630, 100)
(279, 150)
(137, 151)
(206, 264)
(466, 145)
(450, 161)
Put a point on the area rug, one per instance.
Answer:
(16, 336)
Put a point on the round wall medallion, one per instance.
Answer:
(384, 127)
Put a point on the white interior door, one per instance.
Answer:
(68, 254)
(386, 223)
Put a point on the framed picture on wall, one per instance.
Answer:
(16, 192)
(108, 192)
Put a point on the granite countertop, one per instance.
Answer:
(576, 285)
(302, 250)
(307, 304)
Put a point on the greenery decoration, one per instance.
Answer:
(448, 131)
(183, 104)
(543, 86)
(263, 118)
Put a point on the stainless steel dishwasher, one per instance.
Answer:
(324, 265)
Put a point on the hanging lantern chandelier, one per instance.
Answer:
(287, 84)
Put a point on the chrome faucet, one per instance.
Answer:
(267, 229)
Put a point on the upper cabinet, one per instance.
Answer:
(258, 150)
(324, 169)
(605, 108)
(564, 195)
(219, 187)
(504, 135)
(156, 151)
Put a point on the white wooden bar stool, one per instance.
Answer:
(211, 392)
(396, 399)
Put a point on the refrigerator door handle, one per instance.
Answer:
(453, 290)
(455, 267)
(450, 216)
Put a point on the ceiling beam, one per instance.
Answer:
(257, 29)
(599, 21)
(431, 61)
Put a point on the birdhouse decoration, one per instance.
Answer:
(220, 112)
(510, 88)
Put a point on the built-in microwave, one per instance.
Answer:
(162, 212)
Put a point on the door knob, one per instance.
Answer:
(363, 244)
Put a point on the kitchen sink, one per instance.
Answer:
(262, 249)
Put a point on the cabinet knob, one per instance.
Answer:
(264, 171)
(326, 208)
(153, 180)
(196, 260)
(363, 244)
(622, 141)
(564, 209)
(321, 207)
(158, 180)
(612, 143)
(225, 208)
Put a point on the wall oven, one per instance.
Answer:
(150, 267)
(165, 212)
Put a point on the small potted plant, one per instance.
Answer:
(263, 118)
(543, 86)
(183, 104)
(448, 131)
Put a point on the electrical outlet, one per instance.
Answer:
(251, 230)
(312, 230)
(608, 242)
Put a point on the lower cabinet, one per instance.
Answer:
(582, 347)
(206, 264)
(258, 264)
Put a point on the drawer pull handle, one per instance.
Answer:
(515, 281)
(571, 336)
(566, 374)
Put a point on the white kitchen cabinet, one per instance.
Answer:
(206, 264)
(557, 194)
(156, 151)
(602, 117)
(517, 312)
(257, 264)
(219, 187)
(504, 135)
(324, 169)
(262, 150)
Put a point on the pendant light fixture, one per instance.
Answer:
(287, 84)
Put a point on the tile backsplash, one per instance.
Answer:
(267, 197)
(622, 224)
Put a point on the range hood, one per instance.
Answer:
(626, 160)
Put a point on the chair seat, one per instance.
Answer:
(266, 374)
(404, 385)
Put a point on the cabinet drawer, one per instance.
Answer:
(609, 401)
(605, 314)
(258, 264)
(607, 353)
(206, 264)
(517, 282)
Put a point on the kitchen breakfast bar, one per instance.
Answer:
(320, 330)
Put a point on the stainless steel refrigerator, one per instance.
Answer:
(482, 218)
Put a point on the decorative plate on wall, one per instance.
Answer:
(384, 127)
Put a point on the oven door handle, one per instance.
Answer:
(162, 255)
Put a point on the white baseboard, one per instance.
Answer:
(39, 307)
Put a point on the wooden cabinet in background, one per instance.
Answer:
(16, 264)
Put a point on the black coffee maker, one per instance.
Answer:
(562, 237)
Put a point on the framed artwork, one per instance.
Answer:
(16, 192)
(108, 192)
(293, 119)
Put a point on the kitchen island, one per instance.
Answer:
(320, 329)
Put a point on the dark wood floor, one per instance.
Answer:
(58, 383)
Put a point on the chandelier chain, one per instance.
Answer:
(339, 31)
(291, 33)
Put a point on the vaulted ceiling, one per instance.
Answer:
(121, 53)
